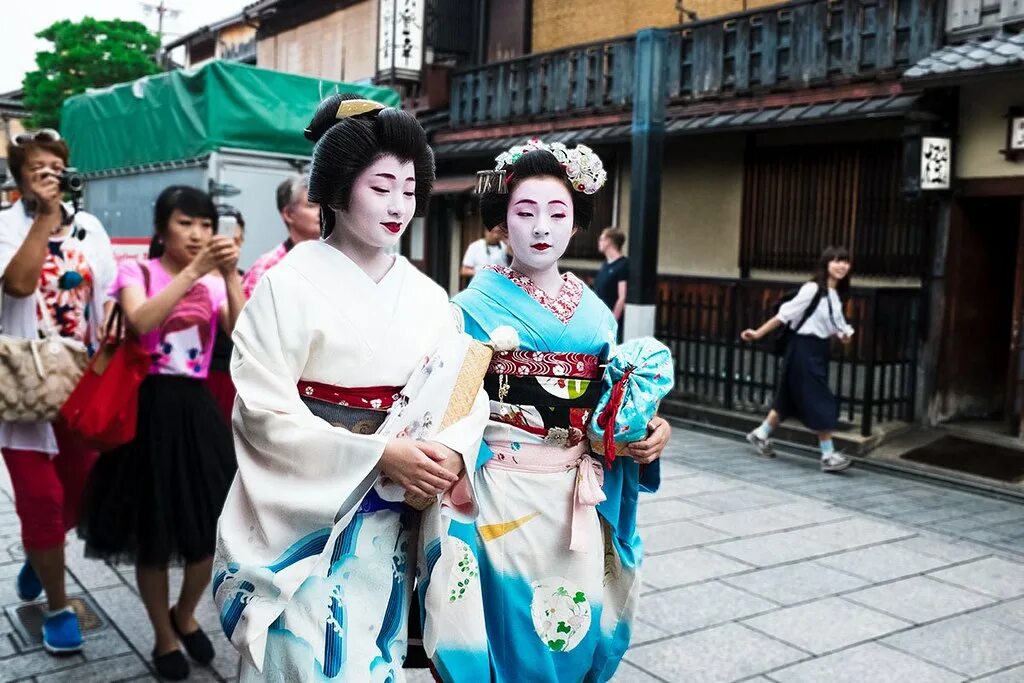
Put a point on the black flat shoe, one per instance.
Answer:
(171, 666)
(197, 644)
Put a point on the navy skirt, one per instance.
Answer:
(803, 392)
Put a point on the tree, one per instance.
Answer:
(87, 54)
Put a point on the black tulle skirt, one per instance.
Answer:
(155, 501)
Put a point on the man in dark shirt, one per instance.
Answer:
(611, 279)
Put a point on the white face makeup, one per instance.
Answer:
(383, 202)
(540, 223)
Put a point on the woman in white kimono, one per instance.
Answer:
(312, 577)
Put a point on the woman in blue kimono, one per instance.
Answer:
(530, 571)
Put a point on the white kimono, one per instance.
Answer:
(310, 587)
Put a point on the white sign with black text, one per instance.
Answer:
(400, 40)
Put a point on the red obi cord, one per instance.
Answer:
(369, 398)
(606, 420)
(546, 364)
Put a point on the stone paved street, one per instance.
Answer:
(757, 571)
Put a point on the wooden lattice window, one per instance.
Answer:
(798, 200)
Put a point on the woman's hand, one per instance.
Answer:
(451, 460)
(845, 338)
(416, 467)
(749, 335)
(227, 262)
(45, 186)
(219, 249)
(647, 451)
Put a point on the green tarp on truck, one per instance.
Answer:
(189, 113)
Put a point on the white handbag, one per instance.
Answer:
(37, 375)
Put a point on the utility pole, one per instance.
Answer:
(160, 9)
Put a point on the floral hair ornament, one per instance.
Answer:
(582, 166)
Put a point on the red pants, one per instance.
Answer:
(47, 491)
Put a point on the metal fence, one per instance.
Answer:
(874, 377)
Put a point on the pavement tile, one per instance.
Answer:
(794, 583)
(104, 671)
(884, 562)
(701, 605)
(687, 566)
(1008, 614)
(778, 518)
(867, 662)
(856, 532)
(645, 633)
(675, 535)
(88, 572)
(700, 483)
(826, 625)
(667, 510)
(1014, 675)
(778, 548)
(124, 608)
(744, 498)
(104, 643)
(991, 575)
(35, 663)
(627, 673)
(944, 548)
(966, 644)
(726, 653)
(919, 599)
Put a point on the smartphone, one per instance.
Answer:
(226, 225)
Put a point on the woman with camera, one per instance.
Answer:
(56, 267)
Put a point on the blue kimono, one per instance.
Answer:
(535, 578)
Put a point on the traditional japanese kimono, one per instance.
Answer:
(312, 575)
(537, 579)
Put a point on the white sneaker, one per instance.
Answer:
(835, 462)
(762, 446)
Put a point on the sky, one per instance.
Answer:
(18, 44)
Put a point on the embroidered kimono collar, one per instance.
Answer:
(563, 306)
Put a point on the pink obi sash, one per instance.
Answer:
(541, 459)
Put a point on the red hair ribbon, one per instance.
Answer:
(606, 420)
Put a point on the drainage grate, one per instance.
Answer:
(28, 619)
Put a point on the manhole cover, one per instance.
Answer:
(28, 618)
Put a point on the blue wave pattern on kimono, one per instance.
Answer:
(515, 648)
(384, 530)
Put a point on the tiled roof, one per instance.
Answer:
(1004, 50)
(750, 119)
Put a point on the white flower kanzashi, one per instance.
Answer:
(582, 166)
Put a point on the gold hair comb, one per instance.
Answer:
(356, 107)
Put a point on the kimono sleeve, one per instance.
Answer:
(297, 474)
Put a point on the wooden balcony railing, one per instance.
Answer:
(795, 45)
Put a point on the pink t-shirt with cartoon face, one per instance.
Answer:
(182, 344)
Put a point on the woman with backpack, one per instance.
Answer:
(813, 316)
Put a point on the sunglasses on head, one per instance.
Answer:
(41, 135)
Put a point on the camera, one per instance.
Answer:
(71, 181)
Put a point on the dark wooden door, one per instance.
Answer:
(1015, 388)
(982, 269)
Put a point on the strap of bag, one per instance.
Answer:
(44, 310)
(809, 311)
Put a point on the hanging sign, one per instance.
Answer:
(400, 40)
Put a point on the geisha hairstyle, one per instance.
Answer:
(349, 138)
(538, 163)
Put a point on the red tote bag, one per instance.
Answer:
(104, 406)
